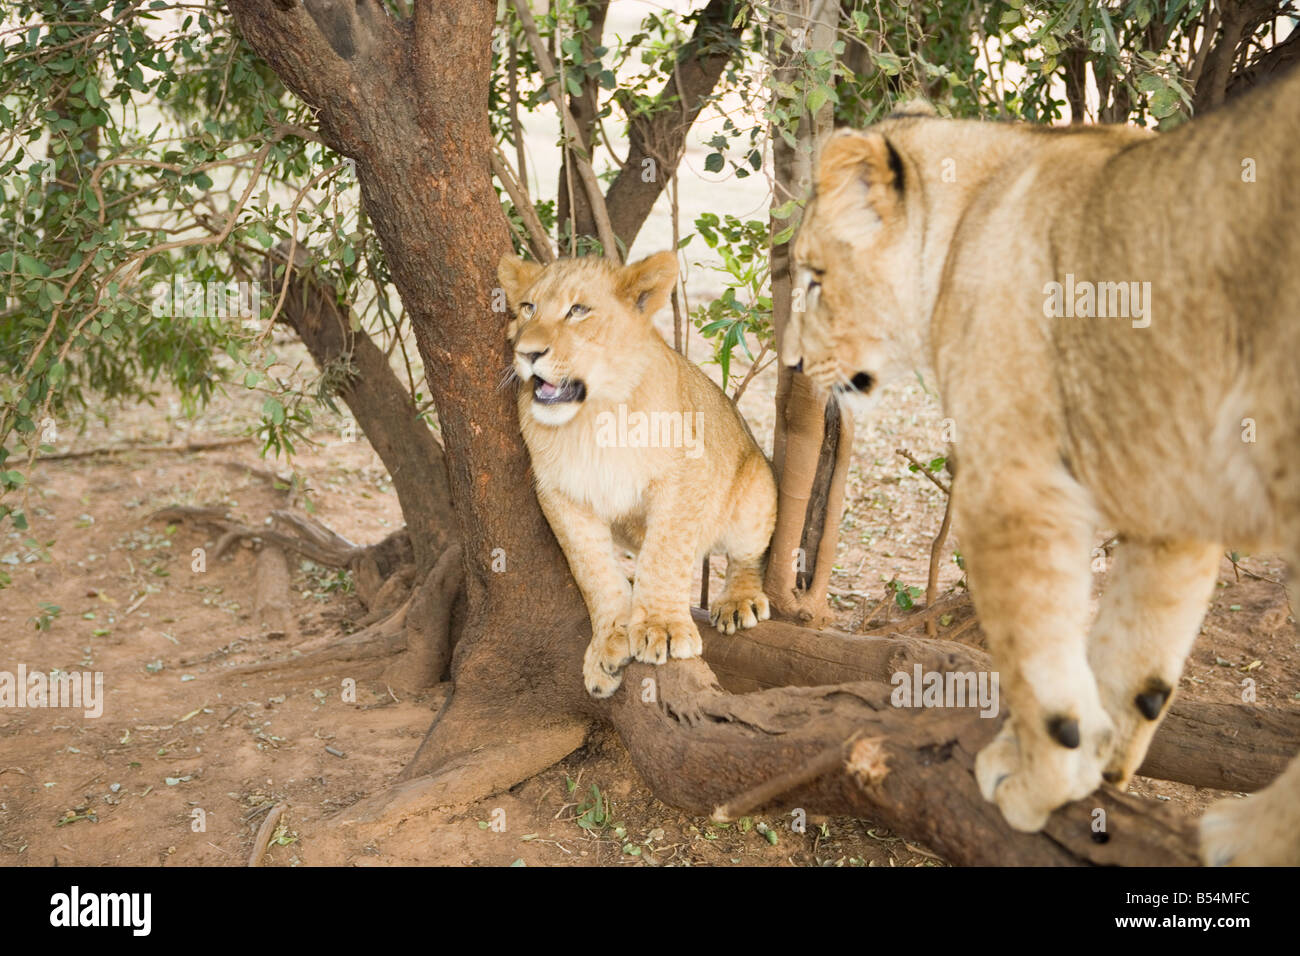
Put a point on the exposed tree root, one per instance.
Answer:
(514, 755)
(194, 444)
(271, 595)
(381, 639)
(429, 632)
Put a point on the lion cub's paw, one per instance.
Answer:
(734, 612)
(1029, 771)
(657, 637)
(608, 653)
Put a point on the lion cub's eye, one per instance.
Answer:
(526, 310)
(578, 312)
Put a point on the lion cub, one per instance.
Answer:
(1111, 317)
(634, 446)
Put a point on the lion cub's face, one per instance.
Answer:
(578, 328)
(851, 267)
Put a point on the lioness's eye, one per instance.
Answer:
(526, 310)
(578, 312)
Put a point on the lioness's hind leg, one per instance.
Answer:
(742, 602)
(1260, 830)
(1030, 581)
(1150, 614)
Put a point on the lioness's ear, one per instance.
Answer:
(866, 168)
(915, 107)
(516, 275)
(646, 284)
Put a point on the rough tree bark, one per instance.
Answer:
(408, 100)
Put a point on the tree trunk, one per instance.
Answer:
(408, 101)
(813, 440)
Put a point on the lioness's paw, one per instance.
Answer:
(656, 638)
(1029, 772)
(734, 612)
(1254, 831)
(607, 655)
(1136, 715)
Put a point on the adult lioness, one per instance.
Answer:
(633, 445)
(999, 256)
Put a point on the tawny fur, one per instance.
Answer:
(706, 488)
(931, 244)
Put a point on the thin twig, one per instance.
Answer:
(826, 761)
(932, 580)
(538, 241)
(923, 470)
(595, 198)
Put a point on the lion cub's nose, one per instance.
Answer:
(532, 357)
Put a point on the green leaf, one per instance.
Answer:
(32, 267)
(1164, 103)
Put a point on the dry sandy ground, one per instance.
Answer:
(181, 734)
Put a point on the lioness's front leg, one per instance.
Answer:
(588, 545)
(1150, 613)
(661, 624)
(1026, 548)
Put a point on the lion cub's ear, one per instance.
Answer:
(645, 285)
(865, 168)
(515, 276)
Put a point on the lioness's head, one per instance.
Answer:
(578, 326)
(856, 269)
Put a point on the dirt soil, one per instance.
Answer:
(189, 756)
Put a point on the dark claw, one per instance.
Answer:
(1065, 730)
(1152, 700)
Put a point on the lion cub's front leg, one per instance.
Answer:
(588, 545)
(742, 602)
(661, 625)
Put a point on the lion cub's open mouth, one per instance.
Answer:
(546, 393)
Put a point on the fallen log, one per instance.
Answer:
(699, 747)
(1225, 746)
